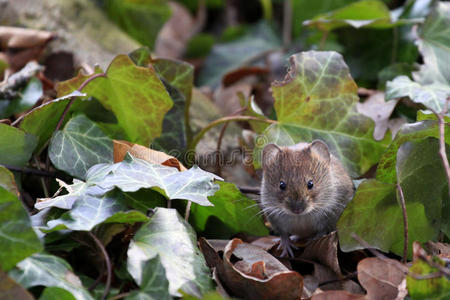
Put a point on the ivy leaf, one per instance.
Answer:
(154, 284)
(7, 181)
(133, 174)
(135, 95)
(28, 96)
(432, 96)
(431, 85)
(178, 79)
(386, 171)
(17, 238)
(42, 120)
(375, 212)
(51, 293)
(79, 146)
(229, 56)
(365, 13)
(233, 212)
(142, 20)
(318, 101)
(89, 210)
(434, 45)
(173, 239)
(49, 271)
(16, 146)
(173, 136)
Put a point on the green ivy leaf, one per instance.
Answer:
(135, 95)
(79, 146)
(42, 120)
(49, 271)
(154, 284)
(17, 238)
(51, 293)
(173, 239)
(386, 171)
(318, 101)
(16, 146)
(232, 213)
(178, 79)
(375, 213)
(365, 13)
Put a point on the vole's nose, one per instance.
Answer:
(297, 207)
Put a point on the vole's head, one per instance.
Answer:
(296, 179)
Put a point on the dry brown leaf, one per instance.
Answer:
(226, 98)
(242, 260)
(379, 111)
(9, 289)
(155, 157)
(324, 251)
(176, 32)
(266, 242)
(27, 44)
(380, 278)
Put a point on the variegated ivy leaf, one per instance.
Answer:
(49, 271)
(95, 201)
(79, 146)
(431, 85)
(318, 101)
(133, 174)
(172, 238)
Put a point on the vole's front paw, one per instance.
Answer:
(287, 246)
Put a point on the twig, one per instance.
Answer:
(188, 210)
(44, 186)
(120, 296)
(202, 132)
(323, 39)
(287, 23)
(250, 190)
(219, 140)
(405, 220)
(442, 151)
(30, 171)
(107, 262)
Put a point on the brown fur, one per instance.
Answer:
(318, 208)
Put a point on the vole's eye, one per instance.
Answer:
(282, 185)
(310, 184)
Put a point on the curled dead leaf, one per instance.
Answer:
(156, 157)
(278, 282)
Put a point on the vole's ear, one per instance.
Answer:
(319, 148)
(269, 154)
